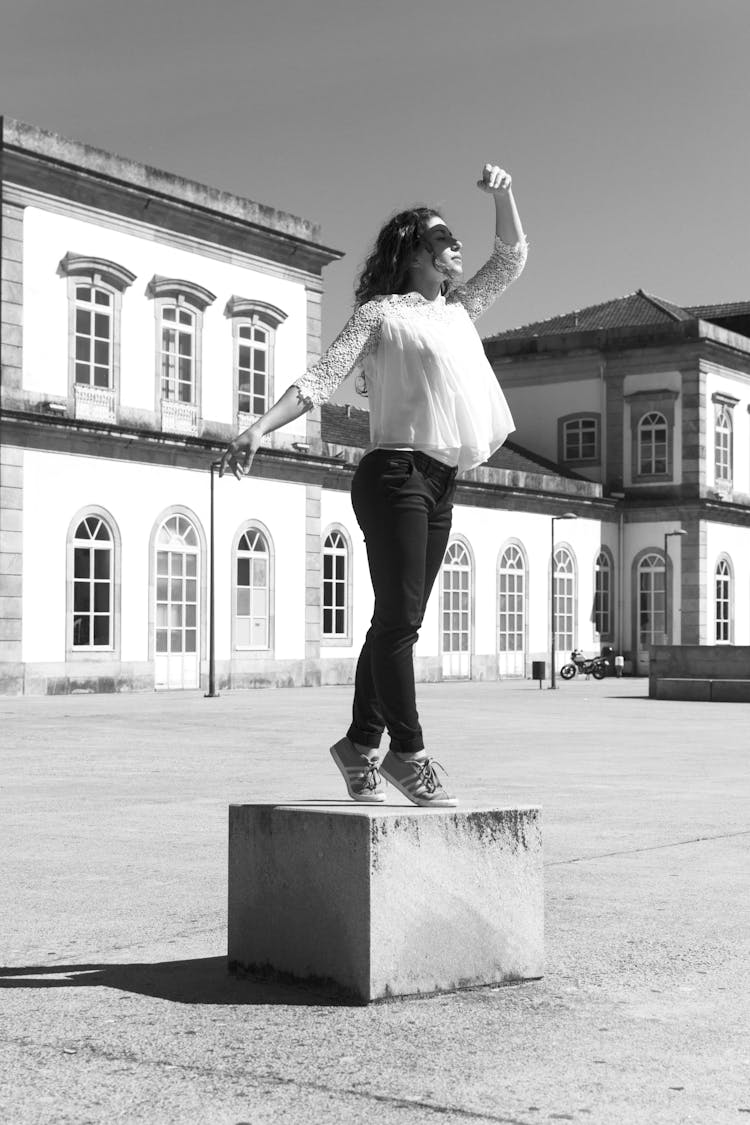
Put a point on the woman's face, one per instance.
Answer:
(440, 250)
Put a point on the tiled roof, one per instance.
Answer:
(516, 459)
(711, 312)
(621, 312)
(347, 425)
(344, 425)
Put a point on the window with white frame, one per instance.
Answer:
(456, 587)
(653, 436)
(177, 353)
(95, 289)
(93, 336)
(252, 369)
(723, 444)
(254, 326)
(336, 569)
(252, 600)
(93, 585)
(511, 600)
(580, 438)
(564, 587)
(179, 306)
(723, 601)
(603, 595)
(651, 577)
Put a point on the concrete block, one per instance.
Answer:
(382, 901)
(679, 687)
(730, 691)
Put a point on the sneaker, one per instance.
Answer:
(417, 780)
(360, 771)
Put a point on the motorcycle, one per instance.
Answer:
(595, 666)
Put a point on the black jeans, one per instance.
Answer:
(403, 502)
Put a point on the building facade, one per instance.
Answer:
(145, 319)
(651, 401)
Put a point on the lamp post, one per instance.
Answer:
(212, 693)
(564, 516)
(667, 534)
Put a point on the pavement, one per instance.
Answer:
(117, 1006)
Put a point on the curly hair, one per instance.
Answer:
(387, 268)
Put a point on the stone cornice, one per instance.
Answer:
(329, 466)
(66, 169)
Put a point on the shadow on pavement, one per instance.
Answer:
(203, 980)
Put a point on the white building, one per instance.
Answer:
(651, 401)
(146, 318)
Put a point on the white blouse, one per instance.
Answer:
(429, 382)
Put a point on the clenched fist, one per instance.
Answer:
(494, 179)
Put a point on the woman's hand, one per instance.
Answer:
(238, 456)
(495, 180)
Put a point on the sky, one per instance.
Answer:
(625, 125)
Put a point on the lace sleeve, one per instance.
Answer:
(503, 266)
(359, 337)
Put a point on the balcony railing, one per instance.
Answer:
(94, 404)
(179, 417)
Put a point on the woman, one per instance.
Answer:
(435, 409)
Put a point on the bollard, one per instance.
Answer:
(619, 664)
(539, 671)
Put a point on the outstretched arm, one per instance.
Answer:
(509, 253)
(358, 338)
(497, 183)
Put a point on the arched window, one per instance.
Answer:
(652, 444)
(603, 615)
(723, 445)
(92, 575)
(336, 586)
(723, 601)
(511, 611)
(177, 604)
(456, 611)
(565, 599)
(651, 585)
(252, 598)
(254, 326)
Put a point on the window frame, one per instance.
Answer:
(246, 312)
(500, 614)
(457, 540)
(724, 409)
(727, 579)
(563, 425)
(560, 646)
(178, 293)
(652, 561)
(343, 639)
(606, 634)
(657, 421)
(642, 404)
(110, 277)
(96, 653)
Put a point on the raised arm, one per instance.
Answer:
(359, 337)
(508, 256)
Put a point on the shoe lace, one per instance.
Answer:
(427, 776)
(372, 778)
